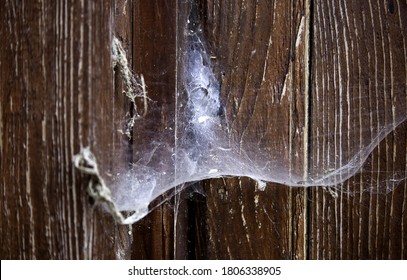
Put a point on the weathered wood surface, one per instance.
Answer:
(58, 93)
(256, 44)
(359, 54)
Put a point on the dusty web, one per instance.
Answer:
(207, 145)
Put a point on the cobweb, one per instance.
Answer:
(203, 142)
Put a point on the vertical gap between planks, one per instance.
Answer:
(309, 17)
(131, 53)
(176, 198)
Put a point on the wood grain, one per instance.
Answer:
(154, 47)
(57, 96)
(262, 51)
(359, 61)
(286, 70)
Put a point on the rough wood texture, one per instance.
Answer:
(359, 53)
(154, 48)
(56, 96)
(264, 63)
(282, 59)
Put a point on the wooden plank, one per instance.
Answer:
(154, 47)
(261, 48)
(57, 96)
(121, 23)
(359, 65)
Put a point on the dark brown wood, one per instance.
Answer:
(285, 60)
(56, 96)
(121, 24)
(362, 46)
(154, 48)
(262, 50)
